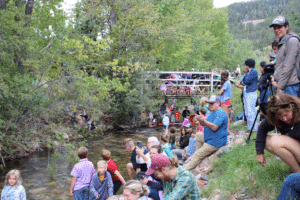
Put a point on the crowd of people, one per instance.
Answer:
(188, 83)
(162, 167)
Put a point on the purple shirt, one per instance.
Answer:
(83, 171)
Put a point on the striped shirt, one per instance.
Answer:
(182, 187)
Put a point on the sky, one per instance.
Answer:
(68, 4)
(223, 3)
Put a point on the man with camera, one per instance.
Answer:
(287, 58)
(133, 166)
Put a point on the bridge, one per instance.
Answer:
(188, 83)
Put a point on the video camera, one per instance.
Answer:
(269, 69)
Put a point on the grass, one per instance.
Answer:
(238, 172)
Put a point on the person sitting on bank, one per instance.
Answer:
(178, 183)
(283, 114)
(215, 133)
(133, 166)
(134, 190)
(144, 157)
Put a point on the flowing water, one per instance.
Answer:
(36, 177)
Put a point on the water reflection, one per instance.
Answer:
(39, 184)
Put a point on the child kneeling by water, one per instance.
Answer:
(112, 168)
(102, 185)
(13, 190)
(82, 173)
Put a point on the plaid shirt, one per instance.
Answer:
(182, 187)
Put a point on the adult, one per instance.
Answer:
(186, 133)
(249, 87)
(144, 158)
(238, 72)
(203, 104)
(283, 114)
(287, 58)
(215, 133)
(178, 183)
(290, 188)
(263, 83)
(163, 108)
(154, 184)
(134, 190)
(225, 93)
(186, 112)
(133, 166)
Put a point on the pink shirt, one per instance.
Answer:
(83, 171)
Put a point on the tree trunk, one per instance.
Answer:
(28, 12)
(29, 7)
(3, 4)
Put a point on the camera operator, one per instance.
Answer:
(283, 114)
(263, 83)
(285, 76)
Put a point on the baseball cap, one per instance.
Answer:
(280, 20)
(213, 99)
(158, 161)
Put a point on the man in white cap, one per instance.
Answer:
(215, 133)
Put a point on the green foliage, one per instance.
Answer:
(240, 16)
(238, 172)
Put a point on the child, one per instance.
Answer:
(112, 168)
(166, 122)
(186, 121)
(102, 185)
(82, 173)
(173, 116)
(200, 128)
(177, 115)
(150, 119)
(172, 138)
(154, 122)
(166, 146)
(13, 189)
(231, 114)
(163, 88)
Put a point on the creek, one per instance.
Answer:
(40, 185)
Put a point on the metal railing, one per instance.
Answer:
(189, 79)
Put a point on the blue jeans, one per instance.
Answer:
(290, 188)
(261, 96)
(82, 194)
(292, 89)
(154, 194)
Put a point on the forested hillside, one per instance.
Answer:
(266, 10)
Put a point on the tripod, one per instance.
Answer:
(269, 87)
